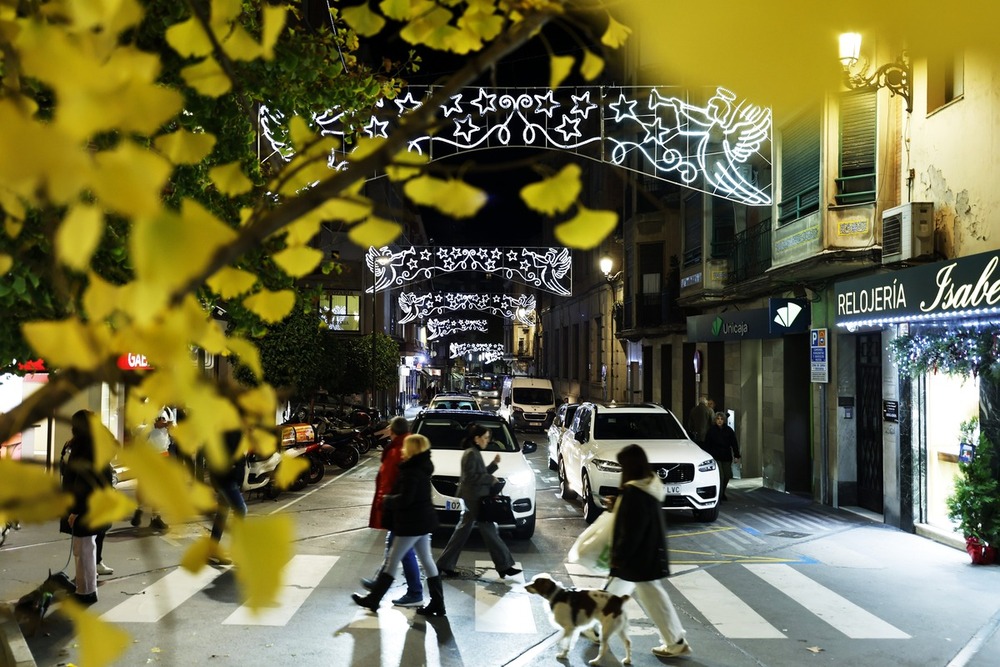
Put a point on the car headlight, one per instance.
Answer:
(706, 466)
(522, 478)
(607, 466)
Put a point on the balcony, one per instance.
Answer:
(751, 253)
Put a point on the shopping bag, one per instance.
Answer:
(737, 470)
(497, 509)
(593, 548)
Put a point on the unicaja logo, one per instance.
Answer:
(716, 326)
(787, 314)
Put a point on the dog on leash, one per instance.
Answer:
(31, 608)
(574, 610)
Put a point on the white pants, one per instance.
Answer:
(653, 598)
(85, 552)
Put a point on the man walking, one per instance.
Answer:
(700, 420)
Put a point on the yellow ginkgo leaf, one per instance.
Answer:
(225, 12)
(405, 164)
(289, 470)
(101, 643)
(401, 10)
(107, 505)
(31, 493)
(230, 179)
(616, 34)
(374, 232)
(208, 78)
(198, 553)
(298, 261)
(105, 445)
(363, 20)
(167, 485)
(101, 298)
(559, 69)
(454, 197)
(300, 133)
(189, 39)
(78, 236)
(261, 547)
(481, 21)
(229, 283)
(271, 306)
(273, 24)
(129, 179)
(587, 229)
(6, 261)
(184, 147)
(63, 343)
(260, 400)
(248, 354)
(556, 194)
(592, 65)
(346, 209)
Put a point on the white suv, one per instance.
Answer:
(588, 464)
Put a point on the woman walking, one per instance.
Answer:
(474, 484)
(639, 549)
(409, 513)
(721, 443)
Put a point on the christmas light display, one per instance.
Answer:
(548, 269)
(969, 351)
(714, 147)
(488, 352)
(520, 307)
(440, 328)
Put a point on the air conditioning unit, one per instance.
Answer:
(907, 232)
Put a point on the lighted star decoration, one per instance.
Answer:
(717, 146)
(549, 269)
(438, 328)
(488, 352)
(519, 307)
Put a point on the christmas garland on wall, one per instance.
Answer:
(965, 351)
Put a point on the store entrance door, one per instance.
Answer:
(869, 446)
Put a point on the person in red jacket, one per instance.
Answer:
(388, 472)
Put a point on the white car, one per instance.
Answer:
(447, 401)
(446, 429)
(588, 465)
(563, 418)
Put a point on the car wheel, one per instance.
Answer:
(527, 530)
(553, 465)
(591, 510)
(708, 515)
(565, 492)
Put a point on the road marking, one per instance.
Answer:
(839, 612)
(728, 613)
(502, 608)
(300, 578)
(163, 596)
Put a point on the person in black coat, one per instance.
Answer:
(409, 513)
(81, 479)
(721, 443)
(639, 549)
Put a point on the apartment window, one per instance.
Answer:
(575, 373)
(945, 80)
(856, 184)
(693, 225)
(341, 311)
(800, 157)
(723, 227)
(650, 285)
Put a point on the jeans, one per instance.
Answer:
(230, 496)
(410, 568)
(408, 544)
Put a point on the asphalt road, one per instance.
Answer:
(776, 581)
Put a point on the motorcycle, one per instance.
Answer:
(338, 435)
(316, 469)
(377, 434)
(258, 474)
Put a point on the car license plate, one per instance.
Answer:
(453, 505)
(674, 490)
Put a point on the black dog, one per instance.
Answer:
(30, 609)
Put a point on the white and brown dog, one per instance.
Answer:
(573, 610)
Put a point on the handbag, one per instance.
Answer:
(592, 548)
(496, 508)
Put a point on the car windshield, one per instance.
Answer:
(453, 404)
(533, 396)
(637, 426)
(448, 431)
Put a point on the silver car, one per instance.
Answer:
(562, 420)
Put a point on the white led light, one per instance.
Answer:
(441, 328)
(520, 307)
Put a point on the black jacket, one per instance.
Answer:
(639, 545)
(721, 443)
(409, 504)
(80, 479)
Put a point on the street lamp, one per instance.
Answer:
(897, 76)
(606, 265)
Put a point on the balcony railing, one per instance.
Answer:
(799, 205)
(751, 255)
(858, 189)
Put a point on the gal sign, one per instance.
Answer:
(133, 362)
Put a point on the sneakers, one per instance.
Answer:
(157, 524)
(672, 650)
(136, 518)
(104, 569)
(410, 600)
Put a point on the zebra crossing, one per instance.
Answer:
(779, 591)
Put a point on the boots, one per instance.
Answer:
(436, 607)
(374, 598)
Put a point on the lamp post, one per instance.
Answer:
(606, 265)
(897, 76)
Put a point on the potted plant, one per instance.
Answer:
(975, 503)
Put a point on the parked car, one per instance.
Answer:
(446, 429)
(453, 401)
(588, 466)
(527, 403)
(563, 418)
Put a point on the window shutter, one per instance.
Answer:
(857, 133)
(800, 155)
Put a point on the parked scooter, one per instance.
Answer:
(377, 434)
(258, 475)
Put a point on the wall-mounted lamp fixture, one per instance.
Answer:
(606, 264)
(897, 76)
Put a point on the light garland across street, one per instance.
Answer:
(441, 328)
(488, 352)
(520, 307)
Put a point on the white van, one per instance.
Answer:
(527, 403)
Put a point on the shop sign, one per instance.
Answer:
(966, 452)
(953, 288)
(890, 411)
(32, 366)
(787, 316)
(133, 362)
(731, 325)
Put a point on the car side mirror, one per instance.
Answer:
(529, 447)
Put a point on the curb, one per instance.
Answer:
(14, 650)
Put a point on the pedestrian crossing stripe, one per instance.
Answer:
(503, 609)
(691, 557)
(300, 577)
